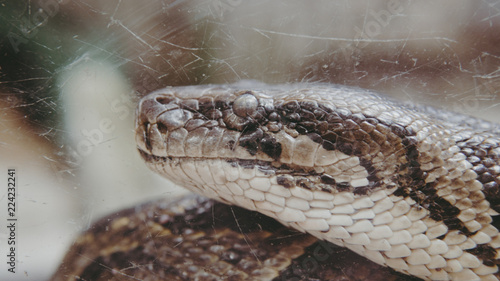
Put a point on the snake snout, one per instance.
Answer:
(157, 116)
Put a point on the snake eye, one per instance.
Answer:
(245, 105)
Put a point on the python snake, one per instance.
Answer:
(410, 188)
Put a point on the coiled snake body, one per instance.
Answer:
(411, 188)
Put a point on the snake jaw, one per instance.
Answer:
(342, 164)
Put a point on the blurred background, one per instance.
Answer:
(71, 73)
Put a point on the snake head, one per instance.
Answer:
(311, 138)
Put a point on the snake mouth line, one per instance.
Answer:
(285, 175)
(244, 163)
(267, 167)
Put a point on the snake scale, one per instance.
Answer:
(410, 188)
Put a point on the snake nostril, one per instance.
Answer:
(162, 128)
